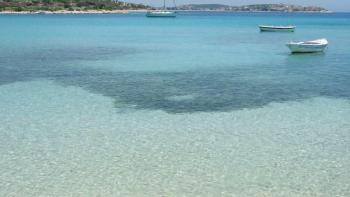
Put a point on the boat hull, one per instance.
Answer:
(294, 48)
(161, 14)
(277, 29)
(309, 46)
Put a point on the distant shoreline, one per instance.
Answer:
(252, 11)
(121, 7)
(133, 11)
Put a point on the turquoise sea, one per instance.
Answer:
(199, 105)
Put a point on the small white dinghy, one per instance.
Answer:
(277, 28)
(308, 46)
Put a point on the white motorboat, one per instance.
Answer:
(277, 28)
(309, 46)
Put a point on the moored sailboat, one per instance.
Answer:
(161, 13)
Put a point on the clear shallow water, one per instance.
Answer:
(221, 60)
(203, 104)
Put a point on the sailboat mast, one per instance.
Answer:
(163, 4)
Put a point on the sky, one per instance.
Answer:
(333, 5)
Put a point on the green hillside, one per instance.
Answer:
(55, 5)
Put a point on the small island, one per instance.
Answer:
(253, 8)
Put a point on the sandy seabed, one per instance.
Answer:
(65, 141)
